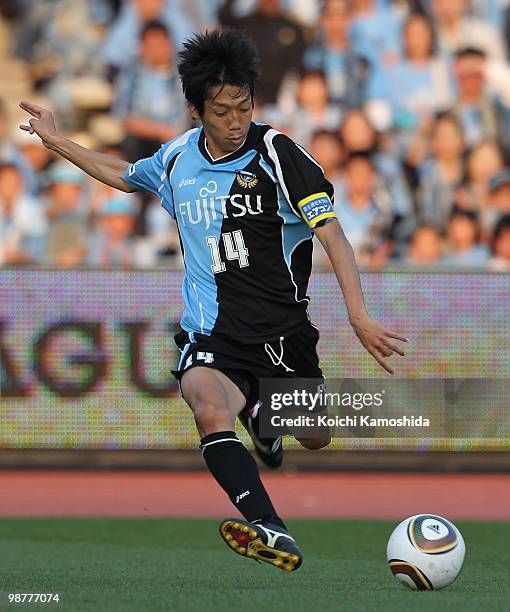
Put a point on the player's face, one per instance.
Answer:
(226, 119)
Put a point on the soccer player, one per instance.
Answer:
(247, 201)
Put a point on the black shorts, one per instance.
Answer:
(293, 356)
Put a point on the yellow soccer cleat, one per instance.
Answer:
(262, 542)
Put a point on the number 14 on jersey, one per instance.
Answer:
(234, 249)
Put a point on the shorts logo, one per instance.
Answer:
(206, 357)
(246, 179)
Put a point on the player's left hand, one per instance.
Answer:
(378, 340)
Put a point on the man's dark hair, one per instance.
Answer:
(469, 215)
(215, 58)
(470, 52)
(154, 26)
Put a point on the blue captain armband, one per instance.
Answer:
(316, 208)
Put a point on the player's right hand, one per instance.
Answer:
(42, 122)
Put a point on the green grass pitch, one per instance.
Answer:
(166, 564)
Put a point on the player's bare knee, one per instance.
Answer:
(212, 415)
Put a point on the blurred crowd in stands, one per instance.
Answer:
(404, 103)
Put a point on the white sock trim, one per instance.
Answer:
(218, 441)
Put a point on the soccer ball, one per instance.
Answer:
(425, 552)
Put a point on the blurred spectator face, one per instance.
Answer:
(360, 178)
(418, 39)
(502, 245)
(361, 6)
(65, 196)
(449, 10)
(336, 18)
(327, 150)
(500, 199)
(269, 7)
(313, 91)
(357, 132)
(426, 247)
(149, 9)
(11, 184)
(470, 75)
(37, 155)
(447, 139)
(484, 162)
(118, 226)
(463, 232)
(156, 48)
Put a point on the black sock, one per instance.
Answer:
(237, 473)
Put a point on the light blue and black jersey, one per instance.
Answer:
(245, 224)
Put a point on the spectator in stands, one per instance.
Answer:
(481, 114)
(122, 42)
(326, 148)
(463, 237)
(483, 162)
(499, 201)
(60, 42)
(35, 161)
(457, 30)
(375, 33)
(366, 211)
(114, 243)
(489, 11)
(280, 43)
(22, 222)
(500, 246)
(149, 99)
(441, 174)
(426, 247)
(201, 14)
(314, 111)
(346, 73)
(417, 86)
(68, 215)
(161, 241)
(8, 151)
(358, 135)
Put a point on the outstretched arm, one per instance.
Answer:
(104, 168)
(375, 337)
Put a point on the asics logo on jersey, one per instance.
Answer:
(246, 179)
(185, 182)
(209, 189)
(206, 210)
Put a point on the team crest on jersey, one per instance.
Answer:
(246, 179)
